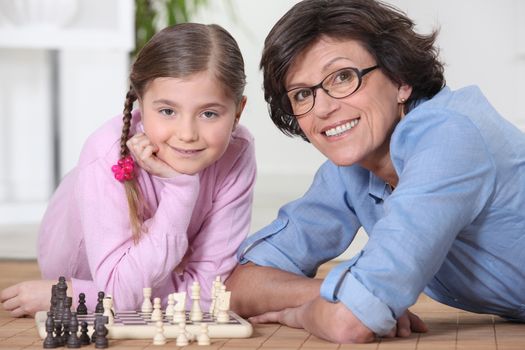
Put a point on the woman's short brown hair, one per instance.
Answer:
(385, 32)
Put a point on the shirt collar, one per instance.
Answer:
(377, 188)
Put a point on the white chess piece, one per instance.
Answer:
(195, 312)
(215, 288)
(108, 304)
(221, 289)
(159, 338)
(179, 314)
(156, 315)
(203, 338)
(224, 305)
(182, 339)
(170, 308)
(146, 304)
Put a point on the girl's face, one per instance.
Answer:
(357, 128)
(189, 119)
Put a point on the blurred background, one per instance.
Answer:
(64, 66)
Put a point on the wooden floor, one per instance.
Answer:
(449, 329)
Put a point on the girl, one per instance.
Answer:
(161, 196)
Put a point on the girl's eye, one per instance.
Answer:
(209, 114)
(167, 112)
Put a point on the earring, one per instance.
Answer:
(402, 100)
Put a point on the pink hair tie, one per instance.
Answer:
(123, 170)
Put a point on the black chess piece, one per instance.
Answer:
(58, 333)
(73, 341)
(66, 318)
(99, 309)
(82, 308)
(94, 334)
(49, 341)
(84, 337)
(53, 300)
(102, 341)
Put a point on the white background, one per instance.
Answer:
(482, 42)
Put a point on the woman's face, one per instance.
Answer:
(357, 128)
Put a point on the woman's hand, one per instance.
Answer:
(406, 324)
(144, 153)
(336, 323)
(26, 298)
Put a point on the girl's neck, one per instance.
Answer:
(381, 165)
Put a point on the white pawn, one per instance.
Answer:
(159, 338)
(170, 308)
(179, 310)
(203, 338)
(196, 312)
(108, 305)
(182, 339)
(156, 315)
(147, 307)
(224, 306)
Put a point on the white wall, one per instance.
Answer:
(482, 42)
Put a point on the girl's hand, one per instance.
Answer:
(144, 153)
(26, 298)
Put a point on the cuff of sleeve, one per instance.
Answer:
(89, 289)
(341, 285)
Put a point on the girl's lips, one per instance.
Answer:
(340, 128)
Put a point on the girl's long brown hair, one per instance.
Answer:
(175, 52)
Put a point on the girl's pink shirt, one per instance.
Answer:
(197, 223)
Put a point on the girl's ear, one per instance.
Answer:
(240, 108)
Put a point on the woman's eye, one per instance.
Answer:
(302, 95)
(209, 114)
(167, 112)
(344, 76)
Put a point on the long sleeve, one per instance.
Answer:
(118, 265)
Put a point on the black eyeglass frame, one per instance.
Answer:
(285, 101)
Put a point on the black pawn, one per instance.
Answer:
(58, 333)
(49, 341)
(99, 309)
(72, 340)
(102, 341)
(82, 308)
(84, 337)
(94, 334)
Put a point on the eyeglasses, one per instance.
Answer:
(339, 84)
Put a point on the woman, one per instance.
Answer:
(436, 177)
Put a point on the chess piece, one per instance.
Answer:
(99, 309)
(215, 288)
(170, 308)
(159, 338)
(73, 341)
(182, 339)
(221, 288)
(49, 341)
(82, 308)
(156, 315)
(147, 307)
(107, 304)
(179, 314)
(223, 305)
(66, 318)
(53, 300)
(203, 338)
(58, 333)
(84, 337)
(195, 312)
(101, 341)
(94, 334)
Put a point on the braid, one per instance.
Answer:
(128, 107)
(136, 203)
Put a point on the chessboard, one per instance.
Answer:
(138, 325)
